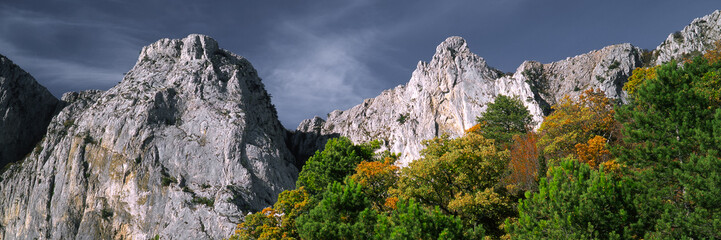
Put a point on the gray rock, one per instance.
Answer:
(694, 39)
(183, 148)
(26, 108)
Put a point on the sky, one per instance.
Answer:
(318, 56)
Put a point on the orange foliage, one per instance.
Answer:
(523, 164)
(377, 177)
(593, 152)
(475, 128)
(391, 203)
(714, 54)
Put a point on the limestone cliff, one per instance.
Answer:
(183, 148)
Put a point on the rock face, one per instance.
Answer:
(607, 69)
(695, 38)
(446, 95)
(183, 148)
(26, 108)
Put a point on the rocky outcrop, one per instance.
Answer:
(446, 95)
(694, 39)
(443, 97)
(183, 148)
(607, 69)
(26, 108)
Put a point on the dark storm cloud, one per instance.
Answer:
(317, 56)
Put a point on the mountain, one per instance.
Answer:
(184, 147)
(26, 108)
(446, 95)
(695, 38)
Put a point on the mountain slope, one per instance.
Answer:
(183, 147)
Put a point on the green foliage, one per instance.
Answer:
(614, 65)
(411, 221)
(669, 119)
(672, 131)
(344, 213)
(106, 213)
(167, 180)
(505, 117)
(577, 202)
(203, 200)
(402, 118)
(338, 160)
(461, 177)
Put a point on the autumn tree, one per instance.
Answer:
(593, 152)
(524, 167)
(505, 116)
(576, 122)
(461, 177)
(637, 77)
(376, 178)
(278, 222)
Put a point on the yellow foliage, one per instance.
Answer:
(574, 122)
(611, 166)
(639, 76)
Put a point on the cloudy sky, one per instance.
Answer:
(318, 56)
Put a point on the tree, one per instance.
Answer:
(505, 117)
(344, 213)
(376, 178)
(577, 202)
(411, 221)
(593, 152)
(672, 131)
(576, 122)
(638, 76)
(278, 222)
(338, 160)
(524, 165)
(462, 177)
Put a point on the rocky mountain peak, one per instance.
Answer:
(183, 147)
(192, 47)
(694, 39)
(451, 46)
